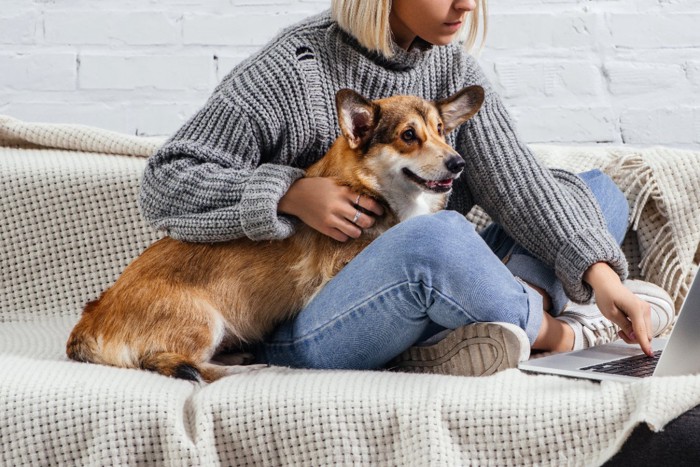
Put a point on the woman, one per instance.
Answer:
(235, 170)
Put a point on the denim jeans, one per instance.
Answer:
(423, 275)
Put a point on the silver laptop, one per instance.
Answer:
(618, 361)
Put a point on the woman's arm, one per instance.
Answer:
(556, 219)
(207, 183)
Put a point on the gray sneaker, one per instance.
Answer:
(479, 349)
(592, 328)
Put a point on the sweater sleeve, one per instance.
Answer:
(209, 181)
(556, 218)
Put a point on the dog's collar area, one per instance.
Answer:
(438, 186)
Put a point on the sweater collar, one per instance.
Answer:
(418, 53)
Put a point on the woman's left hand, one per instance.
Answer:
(617, 303)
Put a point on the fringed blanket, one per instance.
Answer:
(664, 185)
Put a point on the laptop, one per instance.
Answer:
(677, 355)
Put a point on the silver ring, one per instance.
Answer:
(357, 216)
(357, 201)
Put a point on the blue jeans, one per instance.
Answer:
(421, 276)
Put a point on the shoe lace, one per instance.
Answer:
(599, 331)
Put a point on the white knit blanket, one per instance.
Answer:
(69, 226)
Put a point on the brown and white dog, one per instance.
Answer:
(178, 304)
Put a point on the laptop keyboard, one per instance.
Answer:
(639, 365)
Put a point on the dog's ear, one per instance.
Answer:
(460, 107)
(357, 116)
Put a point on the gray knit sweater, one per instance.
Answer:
(221, 176)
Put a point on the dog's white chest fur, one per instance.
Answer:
(423, 203)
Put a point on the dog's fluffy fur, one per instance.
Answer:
(179, 303)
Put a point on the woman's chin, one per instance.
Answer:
(441, 40)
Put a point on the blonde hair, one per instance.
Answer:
(368, 22)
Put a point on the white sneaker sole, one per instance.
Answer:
(479, 349)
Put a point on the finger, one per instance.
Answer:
(351, 230)
(348, 228)
(371, 205)
(336, 234)
(647, 321)
(366, 202)
(359, 218)
(619, 318)
(640, 332)
(632, 326)
(353, 197)
(624, 337)
(626, 331)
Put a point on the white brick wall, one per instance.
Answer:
(570, 71)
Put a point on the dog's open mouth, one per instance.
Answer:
(438, 186)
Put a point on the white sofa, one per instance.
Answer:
(69, 225)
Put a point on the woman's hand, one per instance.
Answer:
(621, 306)
(329, 208)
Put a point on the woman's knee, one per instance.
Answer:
(436, 238)
(443, 257)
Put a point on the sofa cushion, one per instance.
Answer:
(71, 224)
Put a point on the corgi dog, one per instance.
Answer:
(178, 304)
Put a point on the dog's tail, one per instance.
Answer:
(83, 349)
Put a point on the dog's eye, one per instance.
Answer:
(409, 135)
(440, 129)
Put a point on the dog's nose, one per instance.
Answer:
(455, 164)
